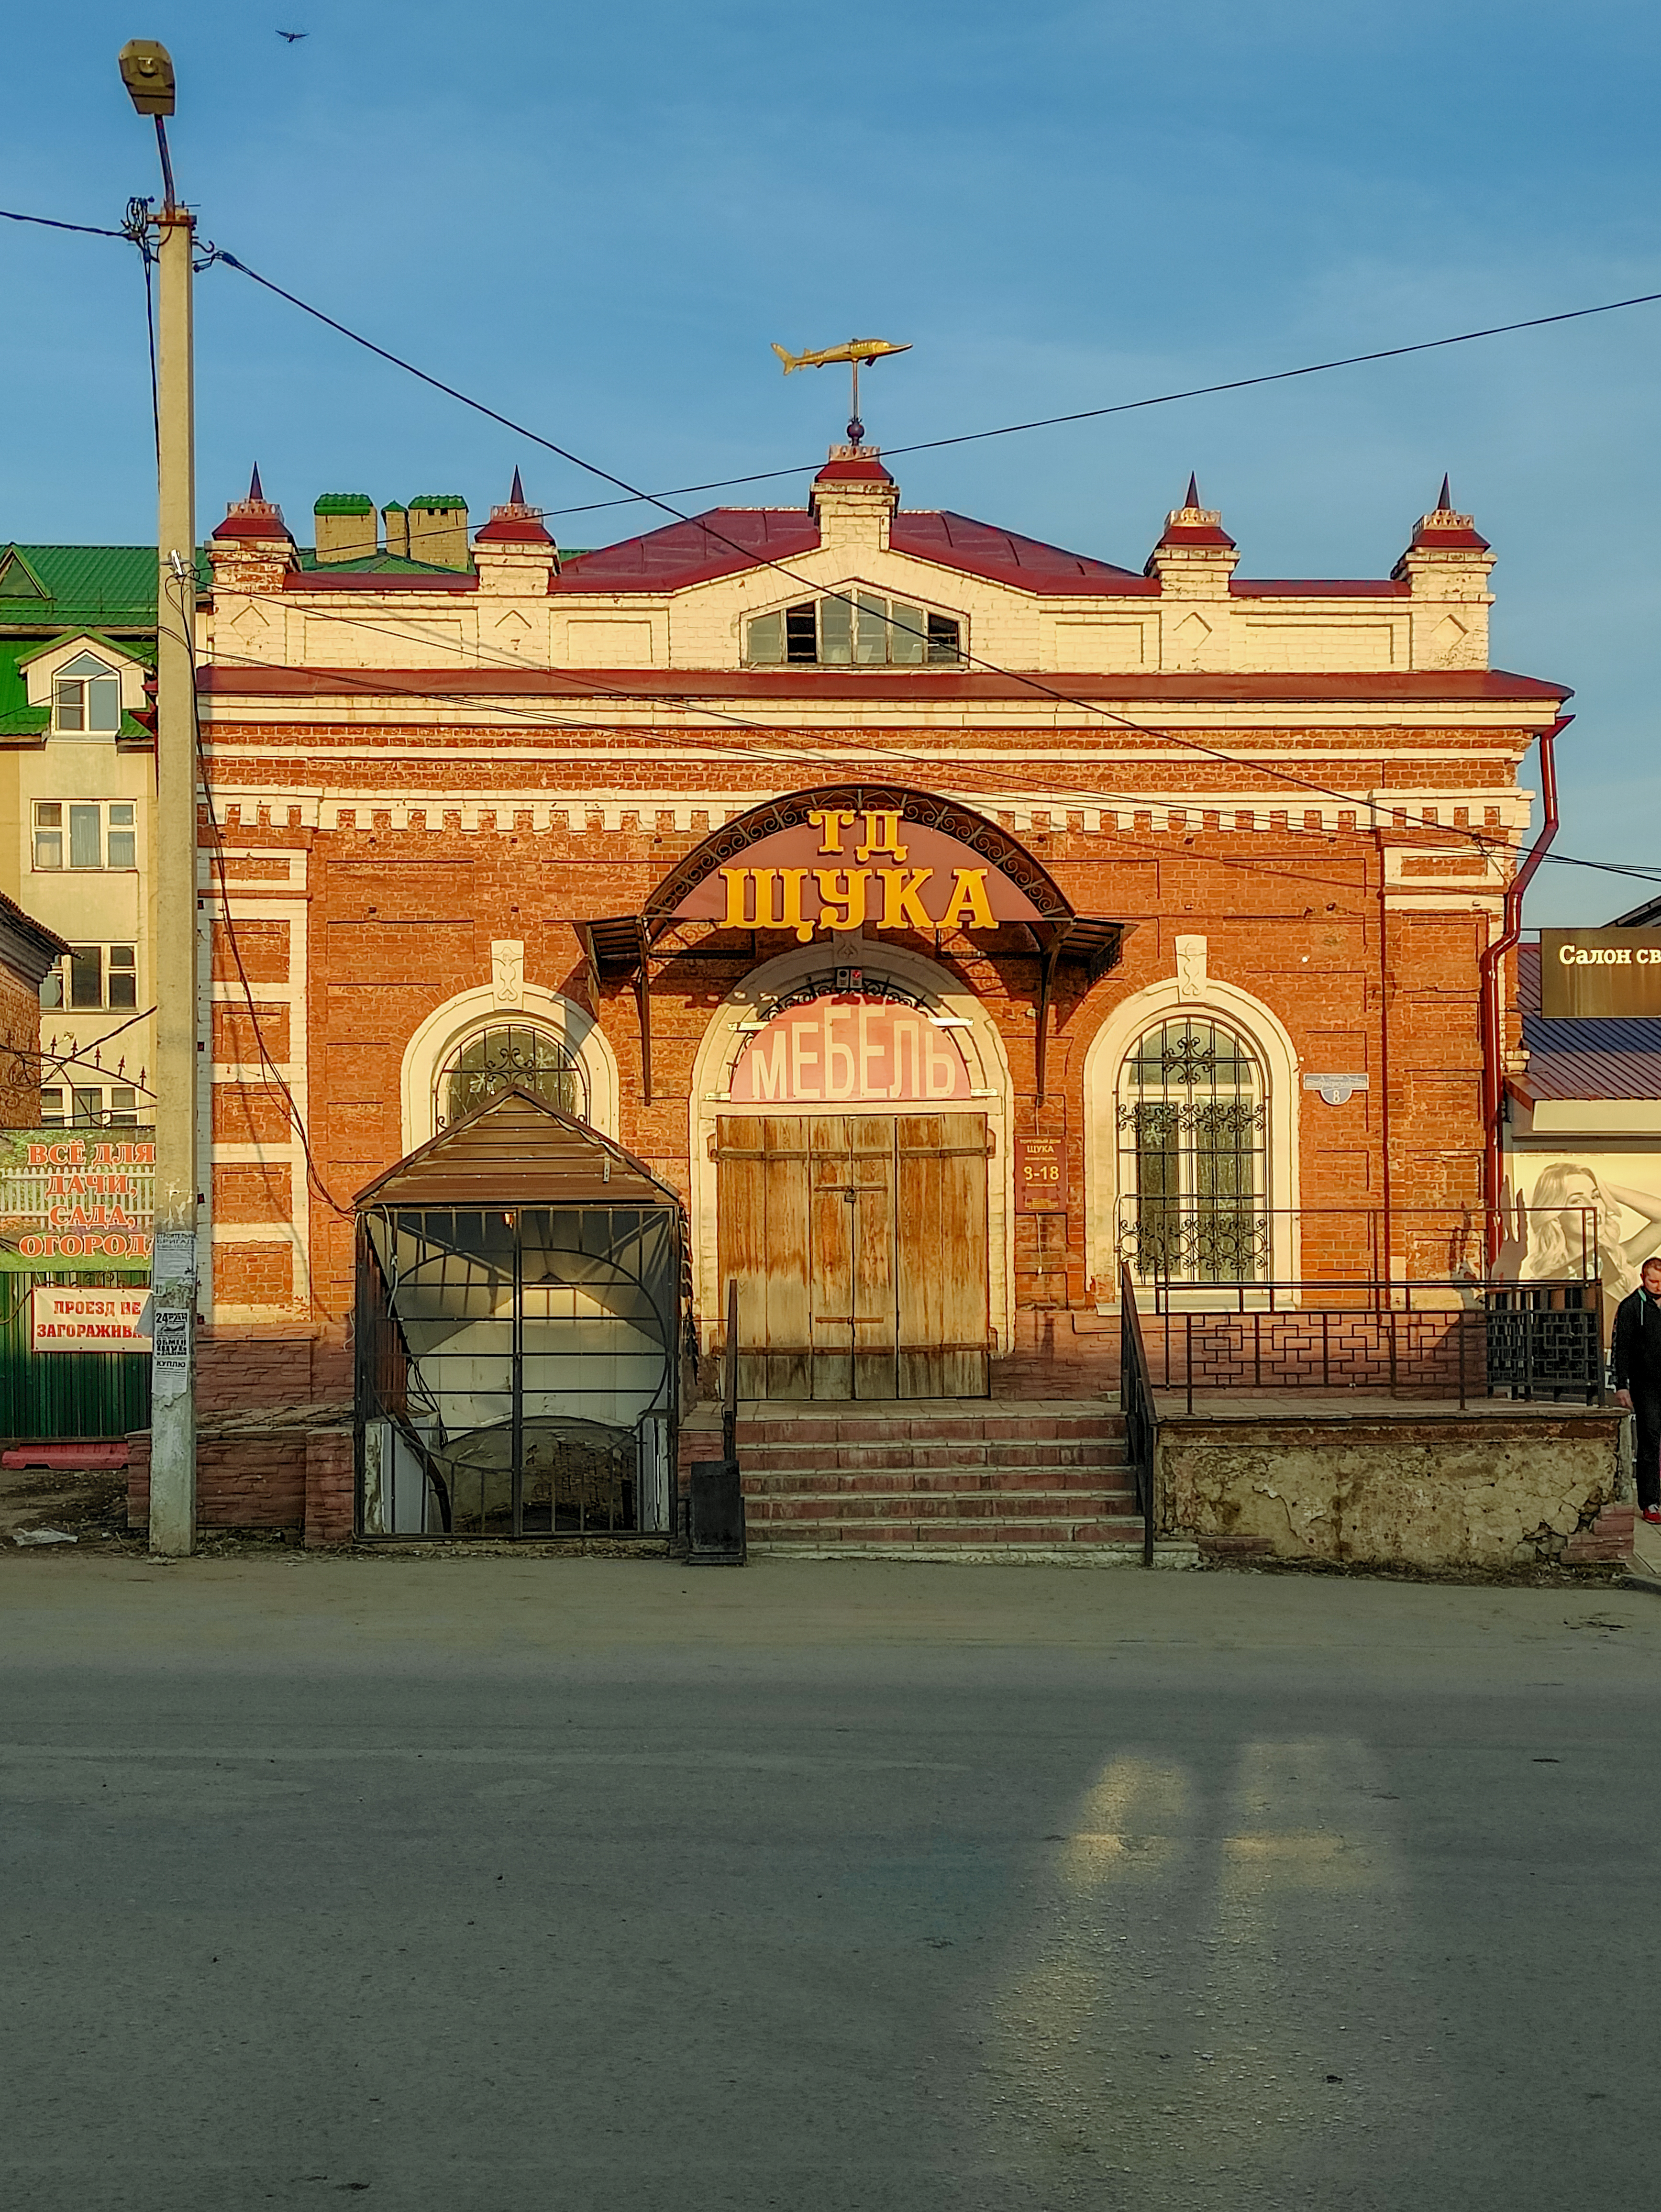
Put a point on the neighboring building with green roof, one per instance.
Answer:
(78, 650)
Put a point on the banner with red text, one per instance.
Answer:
(76, 1198)
(94, 1319)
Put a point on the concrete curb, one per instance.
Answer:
(1177, 1556)
(1642, 1583)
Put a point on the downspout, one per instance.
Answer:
(1491, 1002)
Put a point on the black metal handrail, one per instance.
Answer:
(1142, 1419)
(1416, 1340)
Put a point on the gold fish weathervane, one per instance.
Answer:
(858, 353)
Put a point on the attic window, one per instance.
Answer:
(853, 630)
(86, 698)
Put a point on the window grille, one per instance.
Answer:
(1192, 1124)
(509, 1055)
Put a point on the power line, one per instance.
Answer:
(52, 222)
(633, 496)
(297, 1120)
(1033, 683)
(383, 682)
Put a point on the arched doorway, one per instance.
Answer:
(849, 1126)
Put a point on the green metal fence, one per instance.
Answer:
(67, 1393)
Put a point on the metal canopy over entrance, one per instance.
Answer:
(858, 857)
(522, 1314)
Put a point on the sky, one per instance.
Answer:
(598, 220)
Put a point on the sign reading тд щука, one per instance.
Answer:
(1589, 975)
(845, 870)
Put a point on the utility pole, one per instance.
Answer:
(147, 71)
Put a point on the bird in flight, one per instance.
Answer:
(292, 36)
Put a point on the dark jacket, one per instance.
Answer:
(1638, 1344)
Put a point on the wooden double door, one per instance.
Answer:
(859, 1245)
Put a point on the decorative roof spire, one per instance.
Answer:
(515, 521)
(1444, 530)
(1198, 530)
(256, 516)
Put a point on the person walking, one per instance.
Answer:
(1638, 1380)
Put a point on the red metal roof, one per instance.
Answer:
(1405, 687)
(720, 543)
(847, 469)
(373, 581)
(1196, 533)
(980, 548)
(512, 530)
(1320, 587)
(728, 539)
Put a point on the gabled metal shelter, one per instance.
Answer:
(522, 1314)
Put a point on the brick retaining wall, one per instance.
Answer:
(276, 1475)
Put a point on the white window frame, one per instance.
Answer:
(109, 967)
(856, 593)
(63, 829)
(79, 675)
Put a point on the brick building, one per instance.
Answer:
(946, 917)
(29, 953)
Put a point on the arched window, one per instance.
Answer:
(86, 698)
(1192, 1120)
(854, 629)
(508, 1056)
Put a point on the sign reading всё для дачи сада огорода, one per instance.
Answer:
(842, 870)
(77, 1198)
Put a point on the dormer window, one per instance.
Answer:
(853, 630)
(86, 698)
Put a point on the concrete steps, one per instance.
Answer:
(948, 1479)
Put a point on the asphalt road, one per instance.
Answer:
(505, 1885)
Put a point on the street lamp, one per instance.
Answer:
(147, 71)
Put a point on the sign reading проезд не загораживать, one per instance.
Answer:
(77, 1198)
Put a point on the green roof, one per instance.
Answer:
(129, 649)
(374, 564)
(17, 718)
(394, 506)
(68, 587)
(439, 499)
(343, 502)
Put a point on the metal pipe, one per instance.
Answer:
(1491, 1009)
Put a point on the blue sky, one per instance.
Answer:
(599, 219)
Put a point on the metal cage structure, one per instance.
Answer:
(521, 1320)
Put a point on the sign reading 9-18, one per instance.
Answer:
(841, 871)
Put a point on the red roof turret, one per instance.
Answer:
(256, 516)
(1443, 530)
(1190, 524)
(514, 522)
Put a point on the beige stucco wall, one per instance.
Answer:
(1488, 1492)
